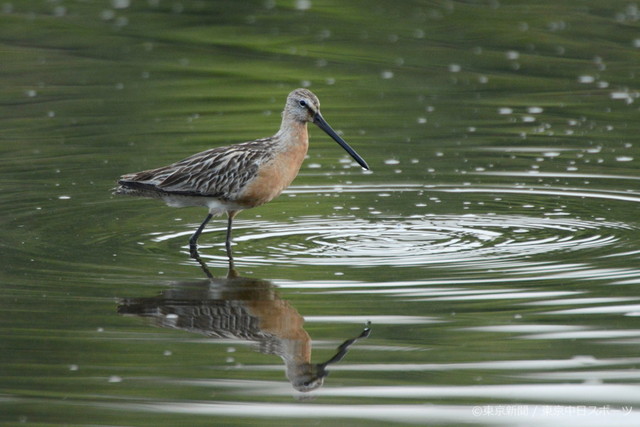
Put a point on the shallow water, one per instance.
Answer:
(493, 246)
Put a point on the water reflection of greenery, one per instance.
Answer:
(242, 308)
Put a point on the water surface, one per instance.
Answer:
(493, 246)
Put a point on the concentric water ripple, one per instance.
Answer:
(469, 239)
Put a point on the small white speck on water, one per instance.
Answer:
(302, 4)
(623, 95)
(115, 379)
(73, 367)
(314, 165)
(624, 159)
(64, 197)
(167, 353)
(505, 110)
(386, 74)
(324, 34)
(391, 162)
(455, 68)
(120, 4)
(512, 54)
(107, 15)
(586, 79)
(31, 93)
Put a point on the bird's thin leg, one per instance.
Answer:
(193, 240)
(231, 215)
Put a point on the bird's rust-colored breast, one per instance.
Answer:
(274, 176)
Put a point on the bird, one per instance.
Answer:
(241, 176)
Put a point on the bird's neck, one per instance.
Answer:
(293, 132)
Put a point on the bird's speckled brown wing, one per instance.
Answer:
(221, 172)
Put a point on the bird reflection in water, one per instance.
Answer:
(241, 308)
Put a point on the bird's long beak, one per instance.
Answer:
(322, 124)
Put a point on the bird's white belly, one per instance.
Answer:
(216, 206)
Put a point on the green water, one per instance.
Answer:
(493, 245)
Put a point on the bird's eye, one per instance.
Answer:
(302, 103)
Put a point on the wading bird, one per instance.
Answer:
(241, 176)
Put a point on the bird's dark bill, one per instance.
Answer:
(322, 124)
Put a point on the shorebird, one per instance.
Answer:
(241, 176)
